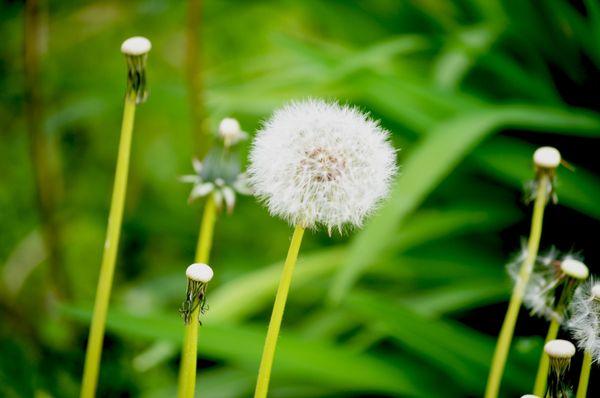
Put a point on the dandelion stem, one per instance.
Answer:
(187, 367)
(266, 363)
(44, 154)
(584, 376)
(508, 326)
(107, 268)
(542, 373)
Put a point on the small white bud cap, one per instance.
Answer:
(529, 396)
(137, 45)
(596, 291)
(547, 157)
(574, 268)
(199, 272)
(229, 127)
(559, 349)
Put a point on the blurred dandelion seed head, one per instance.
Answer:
(320, 163)
(219, 174)
(550, 271)
(584, 320)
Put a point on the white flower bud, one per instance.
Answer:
(199, 272)
(230, 131)
(561, 349)
(137, 45)
(574, 268)
(547, 157)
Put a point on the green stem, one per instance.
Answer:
(201, 138)
(266, 363)
(542, 373)
(584, 377)
(107, 269)
(508, 326)
(187, 366)
(44, 156)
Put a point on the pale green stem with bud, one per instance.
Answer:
(508, 326)
(544, 364)
(266, 363)
(107, 268)
(584, 376)
(187, 366)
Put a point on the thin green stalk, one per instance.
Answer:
(584, 376)
(194, 76)
(107, 269)
(508, 326)
(44, 156)
(544, 364)
(266, 363)
(187, 367)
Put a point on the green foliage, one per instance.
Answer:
(467, 88)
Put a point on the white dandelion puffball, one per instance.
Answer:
(584, 321)
(137, 45)
(199, 272)
(559, 349)
(320, 163)
(547, 157)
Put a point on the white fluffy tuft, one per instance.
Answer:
(136, 45)
(319, 163)
(559, 349)
(199, 272)
(584, 322)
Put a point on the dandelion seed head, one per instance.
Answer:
(539, 297)
(320, 163)
(584, 320)
(136, 45)
(199, 272)
(547, 157)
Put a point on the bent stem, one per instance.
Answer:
(266, 363)
(508, 326)
(542, 373)
(584, 377)
(187, 366)
(107, 269)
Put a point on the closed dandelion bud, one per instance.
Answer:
(231, 132)
(198, 276)
(319, 163)
(545, 159)
(136, 52)
(560, 353)
(575, 269)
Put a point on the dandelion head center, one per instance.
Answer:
(322, 165)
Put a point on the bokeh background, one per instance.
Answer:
(408, 306)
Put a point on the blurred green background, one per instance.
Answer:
(408, 306)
